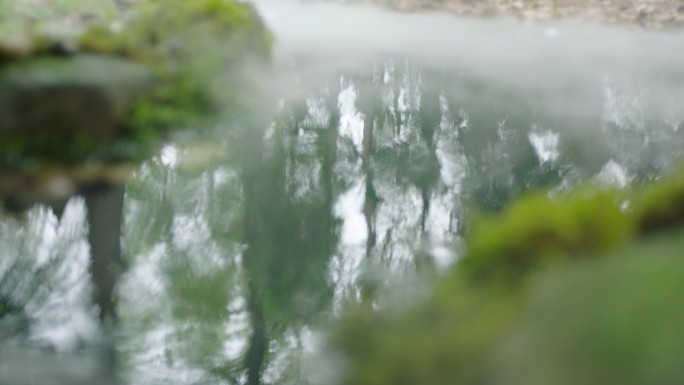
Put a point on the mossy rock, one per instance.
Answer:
(597, 321)
(616, 321)
(162, 29)
(660, 206)
(203, 53)
(165, 64)
(445, 341)
(553, 291)
(62, 109)
(536, 231)
(109, 90)
(607, 318)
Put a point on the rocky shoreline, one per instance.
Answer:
(641, 14)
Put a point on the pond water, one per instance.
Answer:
(354, 179)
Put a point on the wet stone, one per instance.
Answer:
(84, 95)
(51, 107)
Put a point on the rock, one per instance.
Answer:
(619, 321)
(54, 185)
(77, 101)
(16, 47)
(84, 95)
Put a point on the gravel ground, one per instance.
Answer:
(18, 15)
(645, 14)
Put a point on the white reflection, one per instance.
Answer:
(613, 174)
(349, 208)
(351, 120)
(624, 104)
(169, 156)
(545, 145)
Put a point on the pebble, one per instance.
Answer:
(650, 14)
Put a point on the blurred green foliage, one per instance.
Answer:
(616, 321)
(536, 230)
(552, 291)
(446, 340)
(661, 205)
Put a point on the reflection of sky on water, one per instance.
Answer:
(44, 268)
(545, 144)
(349, 208)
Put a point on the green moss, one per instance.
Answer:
(176, 103)
(149, 35)
(442, 342)
(198, 52)
(616, 321)
(537, 230)
(599, 321)
(168, 34)
(21, 153)
(83, 101)
(101, 39)
(191, 46)
(661, 205)
(608, 314)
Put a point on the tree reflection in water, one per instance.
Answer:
(242, 242)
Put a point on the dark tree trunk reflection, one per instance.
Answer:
(105, 214)
(258, 341)
(105, 217)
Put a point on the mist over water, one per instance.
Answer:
(337, 36)
(597, 85)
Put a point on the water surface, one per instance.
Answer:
(354, 179)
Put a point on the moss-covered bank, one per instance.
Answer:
(53, 85)
(107, 88)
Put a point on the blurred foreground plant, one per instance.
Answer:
(553, 291)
